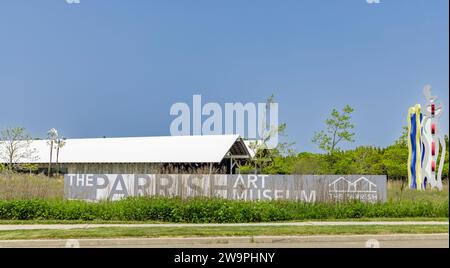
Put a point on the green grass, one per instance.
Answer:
(398, 192)
(121, 232)
(27, 222)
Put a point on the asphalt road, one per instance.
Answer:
(329, 241)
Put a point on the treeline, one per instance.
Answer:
(390, 161)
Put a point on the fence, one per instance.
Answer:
(306, 188)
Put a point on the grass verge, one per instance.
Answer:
(121, 232)
(26, 222)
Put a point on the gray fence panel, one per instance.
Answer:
(306, 188)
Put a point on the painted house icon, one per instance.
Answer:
(361, 185)
(364, 185)
(341, 185)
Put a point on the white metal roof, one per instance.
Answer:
(169, 149)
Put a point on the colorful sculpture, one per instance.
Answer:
(425, 144)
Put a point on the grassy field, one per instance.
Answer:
(121, 232)
(398, 191)
(24, 187)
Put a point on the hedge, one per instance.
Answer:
(201, 210)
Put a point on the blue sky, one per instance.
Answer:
(114, 68)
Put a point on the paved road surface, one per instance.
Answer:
(335, 241)
(5, 227)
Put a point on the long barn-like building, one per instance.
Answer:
(144, 155)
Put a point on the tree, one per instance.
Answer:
(29, 167)
(59, 144)
(445, 169)
(362, 160)
(15, 146)
(338, 129)
(281, 165)
(394, 161)
(403, 139)
(52, 136)
(310, 164)
(264, 155)
(395, 157)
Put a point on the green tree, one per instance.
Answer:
(362, 160)
(446, 160)
(309, 163)
(394, 161)
(28, 167)
(264, 159)
(338, 130)
(403, 139)
(281, 165)
(395, 158)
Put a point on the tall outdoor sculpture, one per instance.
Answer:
(425, 144)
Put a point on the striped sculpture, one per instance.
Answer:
(425, 144)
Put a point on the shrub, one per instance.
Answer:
(202, 210)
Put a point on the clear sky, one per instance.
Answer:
(114, 67)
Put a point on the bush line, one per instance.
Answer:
(201, 210)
